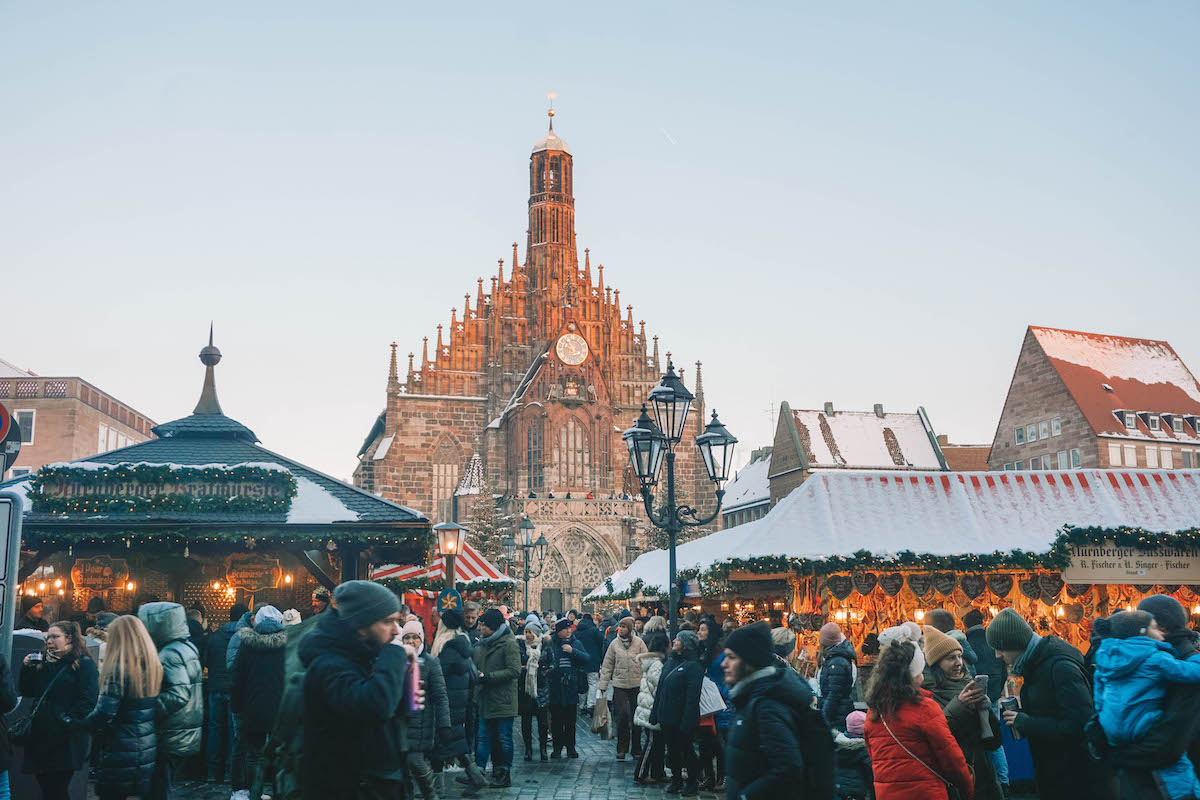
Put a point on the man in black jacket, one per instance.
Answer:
(677, 710)
(1056, 702)
(592, 640)
(765, 755)
(354, 687)
(987, 663)
(222, 723)
(31, 614)
(569, 659)
(1178, 732)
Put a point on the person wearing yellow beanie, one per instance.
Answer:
(938, 646)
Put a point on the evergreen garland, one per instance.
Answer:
(160, 475)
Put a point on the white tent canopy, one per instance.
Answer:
(837, 512)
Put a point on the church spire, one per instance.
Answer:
(587, 267)
(393, 376)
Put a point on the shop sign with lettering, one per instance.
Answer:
(99, 574)
(1108, 563)
(252, 572)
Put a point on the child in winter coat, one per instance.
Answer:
(1133, 668)
(854, 778)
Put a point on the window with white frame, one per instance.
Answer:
(1020, 435)
(1020, 465)
(1151, 457)
(1056, 426)
(1177, 424)
(1044, 430)
(1131, 455)
(1166, 459)
(1034, 462)
(27, 419)
(1008, 465)
(17, 472)
(1187, 459)
(1130, 420)
(1076, 458)
(1155, 422)
(1046, 461)
(102, 439)
(1064, 461)
(1114, 455)
(1031, 433)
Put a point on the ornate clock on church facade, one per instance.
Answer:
(571, 349)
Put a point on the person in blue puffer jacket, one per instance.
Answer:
(1133, 668)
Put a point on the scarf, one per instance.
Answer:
(1019, 667)
(534, 652)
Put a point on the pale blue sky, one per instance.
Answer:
(856, 202)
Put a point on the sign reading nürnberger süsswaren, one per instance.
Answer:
(232, 488)
(1108, 563)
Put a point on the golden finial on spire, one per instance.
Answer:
(550, 112)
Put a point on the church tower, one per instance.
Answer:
(551, 260)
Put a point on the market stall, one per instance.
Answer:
(419, 585)
(870, 550)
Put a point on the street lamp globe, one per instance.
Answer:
(671, 401)
(509, 545)
(716, 446)
(449, 538)
(647, 446)
(540, 547)
(527, 532)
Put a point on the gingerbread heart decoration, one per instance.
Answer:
(1000, 585)
(1078, 589)
(1029, 587)
(865, 582)
(840, 586)
(921, 583)
(1170, 588)
(1051, 584)
(891, 583)
(944, 582)
(972, 585)
(1143, 587)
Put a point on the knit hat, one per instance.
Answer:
(751, 644)
(104, 619)
(906, 632)
(532, 618)
(412, 626)
(939, 618)
(493, 618)
(237, 611)
(831, 634)
(783, 639)
(690, 643)
(1167, 611)
(361, 603)
(938, 645)
(452, 618)
(291, 617)
(973, 617)
(269, 612)
(29, 601)
(917, 665)
(625, 622)
(855, 722)
(536, 626)
(1008, 631)
(1127, 624)
(561, 625)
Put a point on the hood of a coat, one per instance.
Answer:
(844, 742)
(585, 623)
(267, 636)
(781, 683)
(1050, 648)
(165, 622)
(844, 648)
(230, 627)
(332, 635)
(646, 658)
(1118, 658)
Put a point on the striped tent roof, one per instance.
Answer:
(470, 567)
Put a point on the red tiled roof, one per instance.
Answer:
(1105, 374)
(967, 457)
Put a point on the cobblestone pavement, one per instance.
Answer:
(595, 775)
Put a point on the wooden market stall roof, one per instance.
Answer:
(835, 515)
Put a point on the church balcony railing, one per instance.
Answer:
(574, 508)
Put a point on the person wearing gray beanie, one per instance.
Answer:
(1167, 612)
(677, 710)
(354, 685)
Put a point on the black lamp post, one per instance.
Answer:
(527, 545)
(649, 440)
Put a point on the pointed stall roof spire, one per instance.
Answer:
(210, 356)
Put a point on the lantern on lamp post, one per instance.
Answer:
(450, 537)
(527, 545)
(651, 441)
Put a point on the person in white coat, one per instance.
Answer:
(650, 768)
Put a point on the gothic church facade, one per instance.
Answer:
(525, 396)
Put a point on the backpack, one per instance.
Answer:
(816, 747)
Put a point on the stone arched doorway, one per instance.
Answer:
(577, 561)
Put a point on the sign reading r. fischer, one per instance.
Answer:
(1108, 563)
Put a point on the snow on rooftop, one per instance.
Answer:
(836, 513)
(96, 466)
(1144, 360)
(382, 451)
(314, 504)
(860, 439)
(750, 485)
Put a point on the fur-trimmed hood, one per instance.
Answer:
(255, 639)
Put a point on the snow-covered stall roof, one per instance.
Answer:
(750, 486)
(866, 439)
(836, 513)
(470, 567)
(1107, 374)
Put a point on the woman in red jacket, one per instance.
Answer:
(913, 755)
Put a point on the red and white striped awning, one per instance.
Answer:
(471, 566)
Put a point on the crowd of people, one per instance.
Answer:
(359, 700)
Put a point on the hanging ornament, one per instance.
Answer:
(185, 551)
